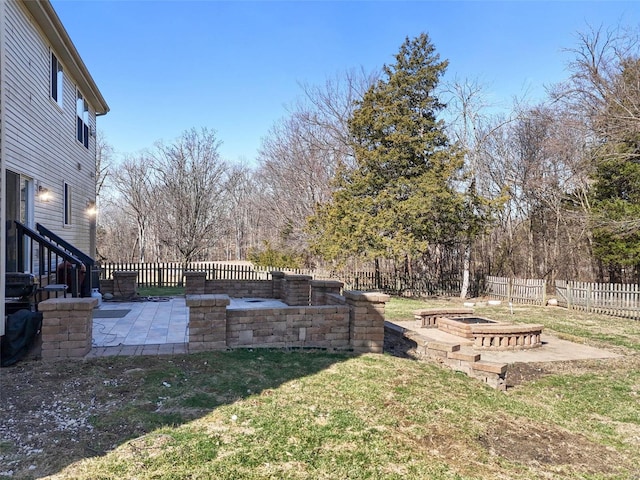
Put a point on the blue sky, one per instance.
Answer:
(167, 66)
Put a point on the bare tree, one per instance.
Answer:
(466, 105)
(104, 161)
(537, 163)
(603, 92)
(191, 193)
(133, 180)
(324, 111)
(243, 211)
(301, 153)
(117, 234)
(598, 89)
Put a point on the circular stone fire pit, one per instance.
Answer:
(491, 335)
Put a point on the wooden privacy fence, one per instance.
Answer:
(530, 291)
(171, 274)
(616, 299)
(400, 283)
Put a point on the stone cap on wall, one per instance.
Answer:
(297, 277)
(207, 300)
(195, 273)
(125, 273)
(444, 311)
(71, 303)
(374, 297)
(327, 283)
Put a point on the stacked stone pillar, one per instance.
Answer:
(296, 290)
(321, 288)
(123, 286)
(67, 327)
(195, 283)
(207, 322)
(366, 320)
(277, 282)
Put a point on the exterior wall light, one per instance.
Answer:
(91, 208)
(43, 194)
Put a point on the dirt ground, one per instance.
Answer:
(46, 410)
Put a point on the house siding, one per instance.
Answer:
(40, 137)
(3, 233)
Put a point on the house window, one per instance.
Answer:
(82, 120)
(57, 80)
(67, 204)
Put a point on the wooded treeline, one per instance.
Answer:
(402, 170)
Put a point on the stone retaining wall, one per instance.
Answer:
(449, 354)
(353, 322)
(293, 290)
(309, 327)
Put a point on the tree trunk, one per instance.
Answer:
(466, 265)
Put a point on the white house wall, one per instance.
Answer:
(3, 237)
(39, 136)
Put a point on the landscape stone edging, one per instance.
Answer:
(491, 373)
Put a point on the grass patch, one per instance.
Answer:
(399, 308)
(160, 291)
(263, 414)
(273, 414)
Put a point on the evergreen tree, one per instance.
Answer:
(616, 180)
(401, 196)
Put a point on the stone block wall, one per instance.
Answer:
(194, 283)
(240, 288)
(67, 327)
(335, 299)
(366, 320)
(450, 355)
(277, 279)
(296, 290)
(304, 327)
(197, 284)
(353, 322)
(320, 289)
(123, 286)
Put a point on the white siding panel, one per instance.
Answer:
(40, 137)
(2, 174)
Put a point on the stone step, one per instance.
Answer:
(443, 347)
(465, 357)
(491, 367)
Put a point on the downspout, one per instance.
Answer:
(3, 185)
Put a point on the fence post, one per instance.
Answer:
(569, 299)
(544, 292)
